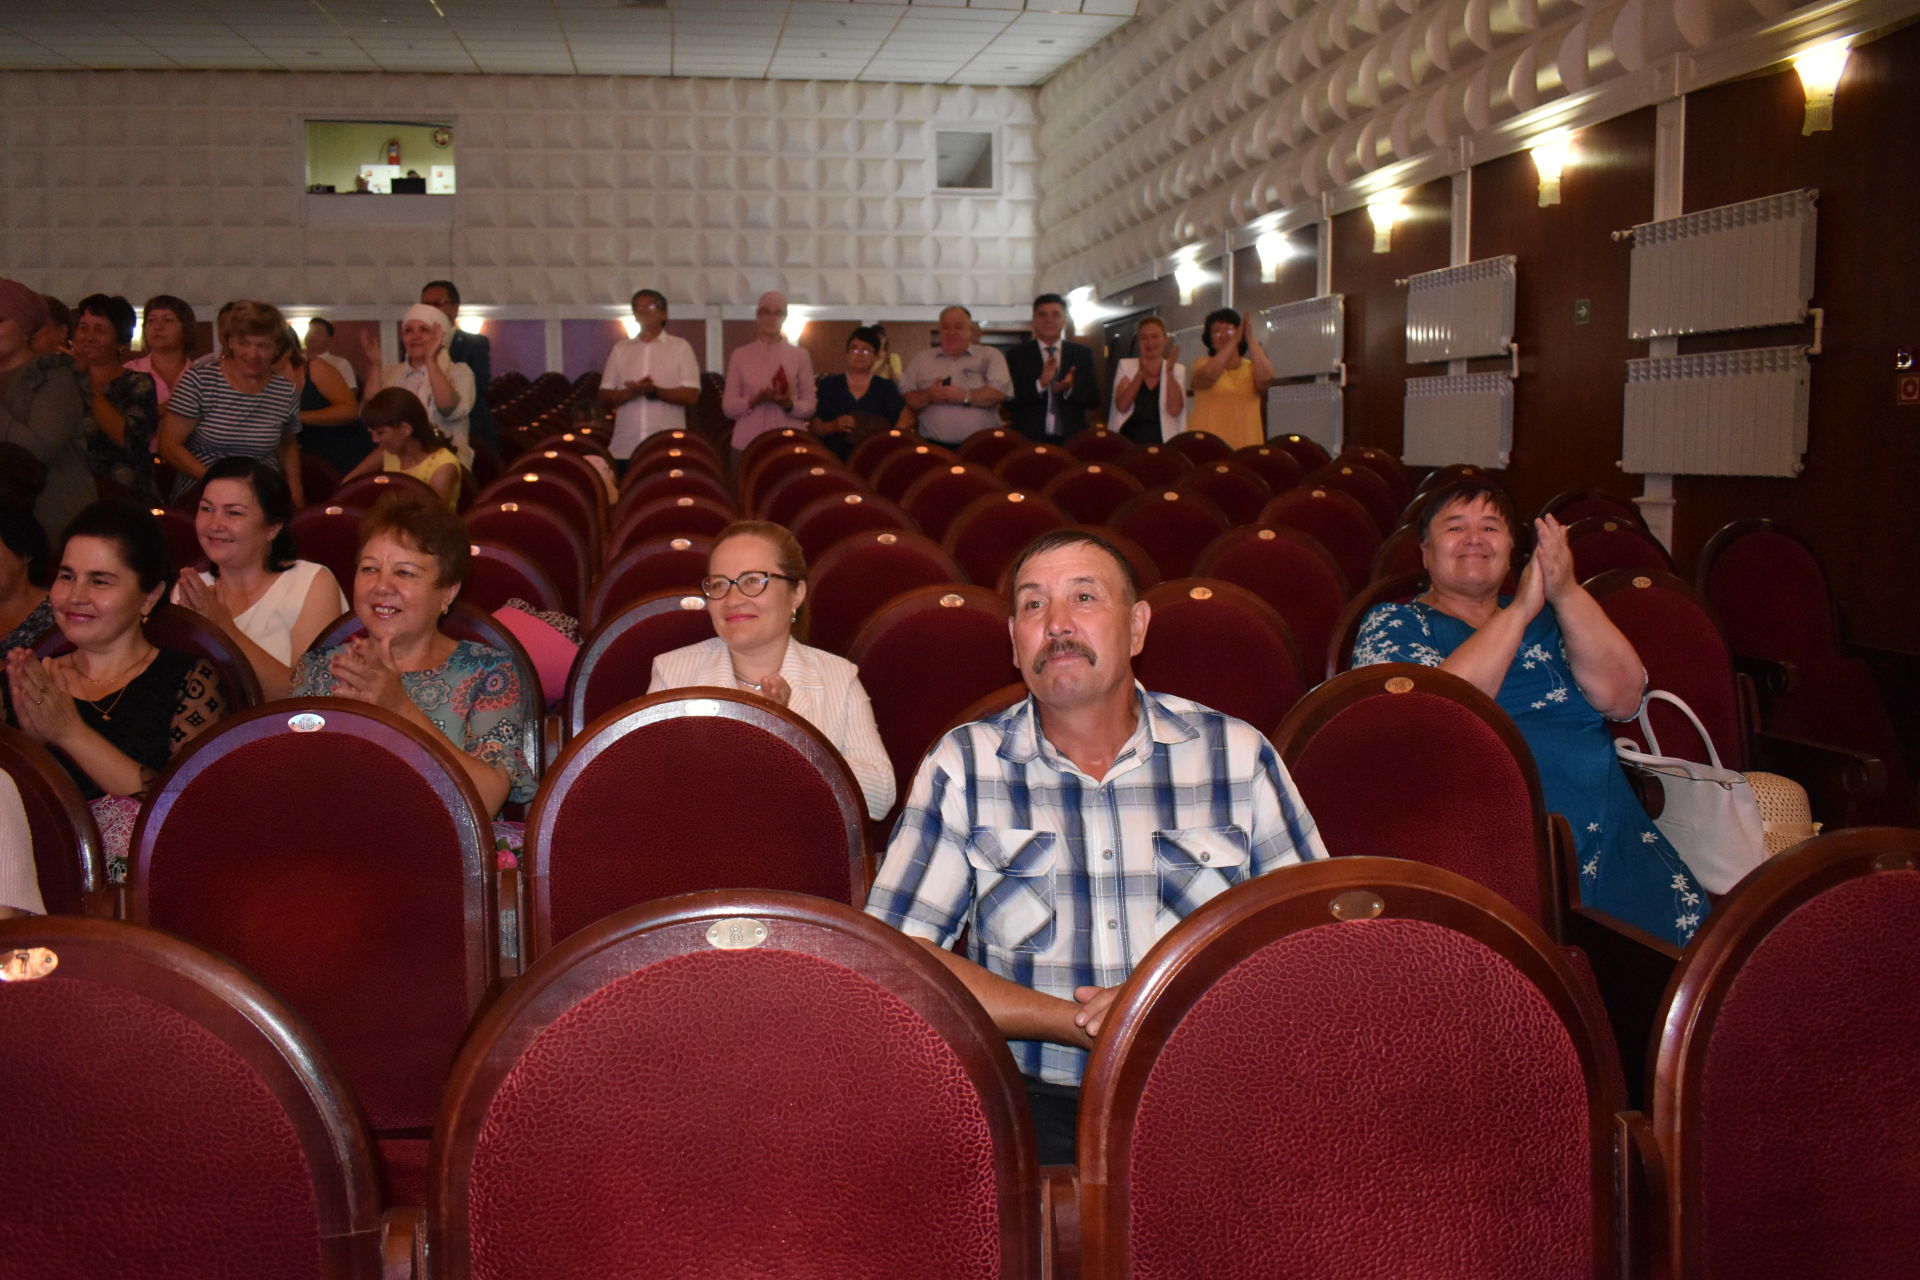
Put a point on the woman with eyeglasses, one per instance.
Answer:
(756, 590)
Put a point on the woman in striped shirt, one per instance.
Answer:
(236, 406)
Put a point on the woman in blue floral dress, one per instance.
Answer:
(1561, 669)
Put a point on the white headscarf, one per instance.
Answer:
(438, 319)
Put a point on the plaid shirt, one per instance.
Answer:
(1068, 880)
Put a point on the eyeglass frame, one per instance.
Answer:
(731, 583)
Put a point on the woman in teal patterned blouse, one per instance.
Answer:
(413, 559)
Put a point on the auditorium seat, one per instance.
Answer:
(869, 453)
(547, 536)
(990, 531)
(672, 563)
(768, 443)
(1097, 444)
(1383, 464)
(644, 489)
(1783, 1096)
(897, 472)
(558, 458)
(340, 853)
(167, 1115)
(939, 495)
(1401, 553)
(690, 789)
(497, 573)
(691, 443)
(1276, 466)
(362, 492)
(649, 462)
(1092, 491)
(788, 496)
(1446, 475)
(1575, 505)
(329, 536)
(1173, 526)
(67, 855)
(1236, 490)
(583, 442)
(318, 479)
(1308, 453)
(756, 479)
(1347, 630)
(1200, 447)
(1291, 572)
(1279, 1050)
(684, 516)
(1601, 544)
(1334, 519)
(183, 542)
(1222, 646)
(615, 662)
(1034, 466)
(826, 520)
(733, 1084)
(1364, 485)
(861, 573)
(1156, 466)
(986, 448)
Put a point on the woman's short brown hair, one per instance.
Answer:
(424, 523)
(397, 406)
(245, 318)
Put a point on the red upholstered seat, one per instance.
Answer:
(757, 478)
(1669, 626)
(615, 663)
(926, 656)
(1224, 647)
(1093, 491)
(675, 563)
(562, 492)
(550, 538)
(67, 857)
(1291, 572)
(498, 573)
(696, 762)
(556, 458)
(1601, 544)
(1236, 490)
(363, 491)
(1308, 453)
(1334, 519)
(1380, 591)
(1355, 1032)
(685, 516)
(318, 479)
(783, 499)
(691, 480)
(939, 495)
(183, 543)
(1455, 471)
(167, 1116)
(1097, 444)
(990, 531)
(1401, 553)
(1770, 592)
(1200, 447)
(1276, 466)
(860, 574)
(1174, 527)
(691, 443)
(1385, 465)
(1034, 466)
(340, 853)
(986, 448)
(897, 472)
(826, 520)
(646, 463)
(869, 453)
(1575, 505)
(583, 443)
(765, 445)
(1785, 1084)
(730, 1084)
(328, 535)
(1155, 465)
(1364, 485)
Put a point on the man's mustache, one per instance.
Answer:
(1060, 648)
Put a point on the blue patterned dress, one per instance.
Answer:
(1627, 867)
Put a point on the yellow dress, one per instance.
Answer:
(424, 469)
(1228, 408)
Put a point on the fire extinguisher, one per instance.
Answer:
(393, 151)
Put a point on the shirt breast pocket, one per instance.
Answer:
(1013, 887)
(1198, 863)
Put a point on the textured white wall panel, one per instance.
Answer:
(573, 191)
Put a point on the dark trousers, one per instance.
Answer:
(1056, 1120)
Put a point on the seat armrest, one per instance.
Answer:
(1640, 1196)
(513, 913)
(1632, 968)
(1771, 676)
(1060, 1222)
(402, 1244)
(1838, 779)
(553, 736)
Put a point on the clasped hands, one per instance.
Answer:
(1549, 575)
(365, 671)
(43, 706)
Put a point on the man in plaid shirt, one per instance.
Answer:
(1073, 830)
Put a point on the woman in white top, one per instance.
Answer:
(756, 586)
(19, 879)
(1150, 390)
(429, 372)
(272, 605)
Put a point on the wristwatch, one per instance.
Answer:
(968, 399)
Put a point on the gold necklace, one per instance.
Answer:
(106, 712)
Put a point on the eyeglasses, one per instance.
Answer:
(750, 584)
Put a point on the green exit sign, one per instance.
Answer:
(1582, 310)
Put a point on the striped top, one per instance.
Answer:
(232, 423)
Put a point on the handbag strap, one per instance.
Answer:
(1646, 725)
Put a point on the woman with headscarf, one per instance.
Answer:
(43, 408)
(429, 372)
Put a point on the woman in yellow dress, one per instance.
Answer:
(1230, 385)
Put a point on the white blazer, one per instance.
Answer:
(1169, 426)
(826, 694)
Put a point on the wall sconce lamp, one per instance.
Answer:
(1385, 210)
(1189, 275)
(631, 325)
(1550, 156)
(471, 324)
(1084, 309)
(794, 325)
(1273, 249)
(1819, 69)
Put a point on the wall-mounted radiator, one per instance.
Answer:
(1463, 418)
(1311, 409)
(1461, 312)
(1740, 266)
(1304, 338)
(1728, 413)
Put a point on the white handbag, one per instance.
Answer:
(1710, 815)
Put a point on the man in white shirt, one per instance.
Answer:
(319, 345)
(650, 380)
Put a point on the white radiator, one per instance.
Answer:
(1304, 338)
(1311, 409)
(1728, 413)
(1463, 418)
(1461, 312)
(1740, 266)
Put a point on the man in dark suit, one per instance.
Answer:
(472, 350)
(1053, 379)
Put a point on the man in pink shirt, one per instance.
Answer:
(769, 380)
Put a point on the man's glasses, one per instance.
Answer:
(750, 584)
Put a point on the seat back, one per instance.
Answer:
(851, 583)
(1200, 447)
(1401, 553)
(1669, 625)
(924, 657)
(1334, 519)
(615, 664)
(586, 442)
(1574, 505)
(1097, 444)
(1385, 465)
(1308, 453)
(786, 497)
(1173, 526)
(683, 456)
(1276, 466)
(183, 540)
(543, 533)
(826, 520)
(991, 530)
(173, 626)
(779, 440)
(1292, 573)
(564, 494)
(1784, 1082)
(763, 1076)
(363, 491)
(681, 516)
(695, 762)
(498, 573)
(1601, 544)
(1770, 592)
(869, 453)
(329, 536)
(1091, 492)
(67, 856)
(898, 471)
(674, 563)
(764, 471)
(1364, 485)
(1352, 1032)
(1222, 646)
(986, 448)
(1034, 466)
(941, 494)
(170, 1117)
(271, 839)
(1238, 491)
(644, 489)
(1155, 466)
(1347, 630)
(1409, 761)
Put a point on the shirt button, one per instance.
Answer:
(1107, 854)
(1113, 924)
(1206, 857)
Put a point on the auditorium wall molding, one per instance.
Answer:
(1209, 123)
(573, 191)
